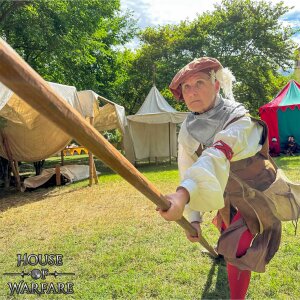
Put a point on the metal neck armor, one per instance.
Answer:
(204, 126)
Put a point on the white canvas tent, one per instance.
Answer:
(109, 116)
(153, 128)
(29, 135)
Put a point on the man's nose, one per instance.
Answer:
(194, 89)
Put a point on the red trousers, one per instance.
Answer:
(238, 279)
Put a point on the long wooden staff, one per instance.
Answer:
(17, 75)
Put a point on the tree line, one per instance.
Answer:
(83, 43)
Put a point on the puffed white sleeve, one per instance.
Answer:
(206, 179)
(185, 161)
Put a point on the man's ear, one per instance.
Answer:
(217, 86)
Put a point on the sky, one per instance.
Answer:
(161, 12)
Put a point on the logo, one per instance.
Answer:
(40, 262)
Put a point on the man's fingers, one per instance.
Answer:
(173, 213)
(193, 239)
(160, 209)
(166, 215)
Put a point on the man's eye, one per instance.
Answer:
(186, 87)
(199, 83)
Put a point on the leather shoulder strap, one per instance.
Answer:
(264, 137)
(200, 150)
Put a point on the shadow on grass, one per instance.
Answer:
(220, 290)
(143, 167)
(10, 197)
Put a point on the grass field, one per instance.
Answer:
(117, 245)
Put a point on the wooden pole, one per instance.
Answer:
(7, 175)
(92, 167)
(12, 162)
(57, 175)
(62, 158)
(91, 170)
(17, 174)
(154, 74)
(170, 151)
(17, 75)
(15, 169)
(95, 173)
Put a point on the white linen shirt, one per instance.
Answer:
(205, 178)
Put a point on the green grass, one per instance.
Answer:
(120, 248)
(291, 166)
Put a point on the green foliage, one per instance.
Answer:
(296, 74)
(81, 43)
(255, 46)
(245, 35)
(70, 42)
(114, 136)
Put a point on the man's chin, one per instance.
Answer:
(196, 108)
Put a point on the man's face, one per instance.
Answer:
(199, 93)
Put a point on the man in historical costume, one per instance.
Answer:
(222, 152)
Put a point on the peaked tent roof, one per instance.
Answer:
(109, 116)
(289, 96)
(155, 103)
(157, 110)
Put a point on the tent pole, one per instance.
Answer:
(17, 174)
(154, 73)
(93, 172)
(62, 157)
(57, 175)
(6, 174)
(91, 169)
(170, 153)
(13, 163)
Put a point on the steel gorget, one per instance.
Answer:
(204, 126)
